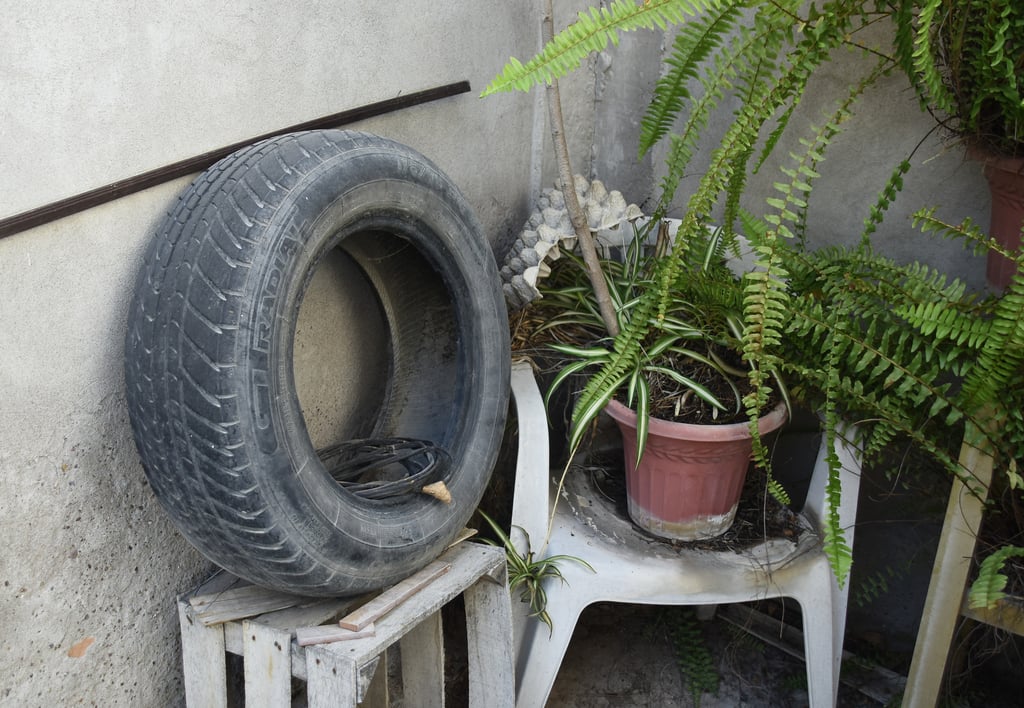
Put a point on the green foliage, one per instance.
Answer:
(527, 574)
(987, 589)
(700, 325)
(966, 59)
(696, 663)
(592, 32)
(875, 586)
(858, 336)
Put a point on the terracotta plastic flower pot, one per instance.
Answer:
(689, 481)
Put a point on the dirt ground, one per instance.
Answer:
(624, 656)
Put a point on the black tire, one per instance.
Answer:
(210, 386)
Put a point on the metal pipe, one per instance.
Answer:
(94, 197)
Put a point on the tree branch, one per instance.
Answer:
(572, 202)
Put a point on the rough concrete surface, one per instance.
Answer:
(92, 93)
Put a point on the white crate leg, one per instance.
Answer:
(489, 632)
(267, 653)
(377, 691)
(204, 659)
(422, 650)
(332, 680)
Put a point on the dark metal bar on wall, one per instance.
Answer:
(94, 197)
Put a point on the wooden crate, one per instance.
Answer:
(225, 615)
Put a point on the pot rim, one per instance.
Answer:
(770, 421)
(994, 161)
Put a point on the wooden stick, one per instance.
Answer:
(328, 633)
(393, 596)
(439, 491)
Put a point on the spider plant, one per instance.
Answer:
(691, 357)
(527, 574)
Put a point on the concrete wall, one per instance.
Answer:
(886, 127)
(91, 93)
(94, 92)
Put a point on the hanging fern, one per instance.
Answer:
(964, 59)
(885, 199)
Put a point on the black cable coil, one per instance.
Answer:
(353, 463)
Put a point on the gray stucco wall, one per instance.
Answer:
(886, 126)
(94, 92)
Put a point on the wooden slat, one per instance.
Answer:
(268, 665)
(949, 578)
(1007, 615)
(463, 535)
(422, 649)
(343, 674)
(468, 562)
(488, 630)
(325, 634)
(203, 660)
(240, 603)
(332, 678)
(393, 596)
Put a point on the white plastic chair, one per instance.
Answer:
(632, 567)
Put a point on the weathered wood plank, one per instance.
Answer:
(332, 678)
(240, 603)
(343, 674)
(394, 596)
(489, 631)
(468, 562)
(268, 665)
(422, 649)
(325, 634)
(203, 660)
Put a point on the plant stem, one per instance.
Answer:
(572, 203)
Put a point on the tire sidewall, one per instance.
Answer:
(388, 188)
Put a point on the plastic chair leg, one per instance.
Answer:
(822, 648)
(542, 652)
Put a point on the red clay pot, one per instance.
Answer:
(1005, 177)
(689, 481)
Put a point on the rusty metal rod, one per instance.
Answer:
(94, 197)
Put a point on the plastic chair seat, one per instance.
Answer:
(632, 567)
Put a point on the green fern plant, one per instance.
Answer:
(966, 60)
(693, 655)
(856, 335)
(987, 589)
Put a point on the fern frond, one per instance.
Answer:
(886, 197)
(987, 590)
(691, 47)
(592, 32)
(1001, 357)
(925, 57)
(838, 551)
